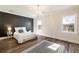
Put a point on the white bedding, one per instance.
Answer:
(22, 37)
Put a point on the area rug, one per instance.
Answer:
(45, 47)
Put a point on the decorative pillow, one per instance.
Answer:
(20, 31)
(18, 28)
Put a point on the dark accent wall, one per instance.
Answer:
(7, 19)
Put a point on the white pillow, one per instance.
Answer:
(18, 28)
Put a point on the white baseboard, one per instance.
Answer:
(1, 38)
(72, 41)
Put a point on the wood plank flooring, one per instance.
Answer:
(11, 46)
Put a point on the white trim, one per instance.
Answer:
(60, 38)
(75, 32)
(1, 38)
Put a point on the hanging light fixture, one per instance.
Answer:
(39, 23)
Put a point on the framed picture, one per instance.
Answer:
(69, 24)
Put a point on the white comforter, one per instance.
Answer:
(22, 37)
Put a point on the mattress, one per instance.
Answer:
(22, 37)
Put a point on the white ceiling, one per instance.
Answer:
(31, 10)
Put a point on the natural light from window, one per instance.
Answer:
(69, 24)
(54, 46)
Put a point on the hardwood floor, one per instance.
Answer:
(11, 46)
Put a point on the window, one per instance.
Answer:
(69, 24)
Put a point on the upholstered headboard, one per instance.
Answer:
(11, 20)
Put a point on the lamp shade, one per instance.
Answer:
(9, 28)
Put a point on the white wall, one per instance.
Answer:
(52, 25)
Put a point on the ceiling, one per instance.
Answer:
(31, 10)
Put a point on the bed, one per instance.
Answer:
(21, 35)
